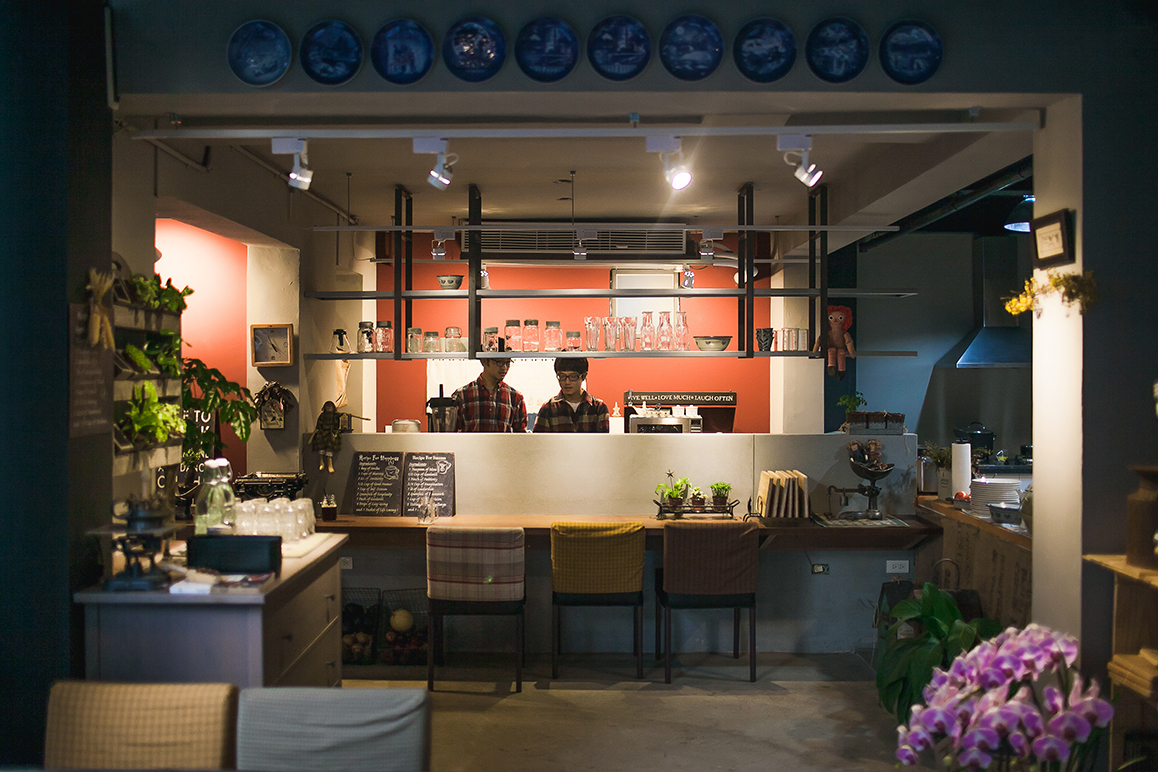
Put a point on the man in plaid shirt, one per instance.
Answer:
(489, 405)
(572, 409)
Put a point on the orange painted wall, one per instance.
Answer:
(402, 385)
(213, 325)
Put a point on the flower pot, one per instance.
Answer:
(1142, 519)
(720, 502)
(698, 502)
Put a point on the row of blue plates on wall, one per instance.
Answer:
(547, 49)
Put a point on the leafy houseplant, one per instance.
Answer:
(697, 497)
(205, 389)
(149, 292)
(907, 664)
(1012, 703)
(145, 420)
(720, 491)
(673, 492)
(852, 402)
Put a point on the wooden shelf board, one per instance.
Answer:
(1118, 564)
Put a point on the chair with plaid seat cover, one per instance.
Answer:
(708, 565)
(597, 564)
(474, 571)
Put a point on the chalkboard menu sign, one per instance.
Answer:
(428, 482)
(392, 483)
(375, 484)
(90, 379)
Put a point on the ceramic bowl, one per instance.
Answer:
(1005, 512)
(712, 342)
(449, 281)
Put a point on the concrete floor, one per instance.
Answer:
(805, 712)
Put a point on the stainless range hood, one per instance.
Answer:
(999, 339)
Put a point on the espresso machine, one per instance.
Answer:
(441, 413)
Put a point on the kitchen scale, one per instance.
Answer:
(868, 488)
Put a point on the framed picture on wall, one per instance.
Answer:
(273, 345)
(1053, 241)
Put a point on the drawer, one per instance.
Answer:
(291, 628)
(320, 664)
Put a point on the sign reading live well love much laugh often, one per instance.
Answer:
(392, 483)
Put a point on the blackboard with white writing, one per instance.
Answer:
(428, 481)
(375, 484)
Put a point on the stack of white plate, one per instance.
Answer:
(984, 491)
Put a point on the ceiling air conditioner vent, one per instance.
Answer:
(634, 242)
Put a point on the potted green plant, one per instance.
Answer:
(858, 421)
(697, 498)
(147, 421)
(720, 491)
(672, 493)
(205, 389)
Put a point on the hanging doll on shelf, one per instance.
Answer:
(327, 436)
(837, 340)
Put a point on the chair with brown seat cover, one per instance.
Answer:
(98, 725)
(708, 565)
(474, 571)
(597, 564)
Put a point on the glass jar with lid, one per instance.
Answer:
(530, 335)
(365, 337)
(553, 337)
(384, 337)
(340, 342)
(573, 340)
(490, 339)
(414, 340)
(453, 341)
(431, 343)
(514, 335)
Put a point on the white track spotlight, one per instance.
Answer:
(438, 250)
(799, 144)
(441, 175)
(301, 175)
(675, 172)
(438, 247)
(579, 250)
(708, 238)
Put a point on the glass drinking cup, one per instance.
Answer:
(610, 333)
(591, 326)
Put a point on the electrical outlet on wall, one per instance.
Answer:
(896, 566)
(820, 568)
(346, 564)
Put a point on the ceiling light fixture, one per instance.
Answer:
(676, 173)
(438, 250)
(301, 175)
(579, 250)
(438, 247)
(799, 145)
(441, 175)
(1022, 215)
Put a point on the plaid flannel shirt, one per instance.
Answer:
(556, 415)
(479, 410)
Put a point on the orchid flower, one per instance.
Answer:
(1050, 748)
(1070, 727)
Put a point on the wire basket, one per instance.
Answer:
(361, 623)
(407, 646)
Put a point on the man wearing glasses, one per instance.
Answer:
(489, 405)
(572, 409)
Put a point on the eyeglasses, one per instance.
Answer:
(569, 377)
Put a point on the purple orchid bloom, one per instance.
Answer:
(940, 721)
(1054, 703)
(985, 739)
(1020, 744)
(1011, 665)
(1002, 720)
(975, 758)
(919, 739)
(1033, 657)
(1070, 727)
(1031, 720)
(966, 709)
(994, 678)
(907, 756)
(1050, 748)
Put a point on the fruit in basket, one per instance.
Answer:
(401, 620)
(348, 640)
(363, 638)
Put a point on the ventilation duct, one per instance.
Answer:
(562, 242)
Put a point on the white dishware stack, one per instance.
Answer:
(992, 490)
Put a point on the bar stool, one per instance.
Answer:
(474, 571)
(597, 564)
(708, 565)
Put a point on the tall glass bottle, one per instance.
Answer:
(228, 497)
(646, 332)
(681, 331)
(664, 334)
(208, 502)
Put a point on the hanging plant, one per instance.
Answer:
(1076, 289)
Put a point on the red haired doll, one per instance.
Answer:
(836, 339)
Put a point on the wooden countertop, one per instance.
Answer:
(408, 533)
(934, 506)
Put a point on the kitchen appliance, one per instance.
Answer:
(441, 413)
(978, 437)
(669, 424)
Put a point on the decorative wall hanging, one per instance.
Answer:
(474, 49)
(547, 49)
(273, 345)
(402, 52)
(619, 48)
(1053, 239)
(764, 50)
(691, 47)
(259, 53)
(837, 50)
(910, 52)
(331, 52)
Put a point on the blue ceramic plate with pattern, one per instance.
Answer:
(911, 52)
(331, 52)
(474, 49)
(259, 53)
(837, 50)
(691, 47)
(547, 49)
(619, 48)
(764, 50)
(402, 51)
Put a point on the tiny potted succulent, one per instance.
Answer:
(697, 498)
(720, 491)
(672, 493)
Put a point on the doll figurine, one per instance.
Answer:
(837, 340)
(326, 439)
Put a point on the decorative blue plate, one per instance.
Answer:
(547, 49)
(331, 52)
(691, 47)
(619, 48)
(402, 52)
(837, 50)
(259, 53)
(474, 49)
(764, 50)
(911, 52)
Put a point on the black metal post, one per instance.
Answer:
(474, 267)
